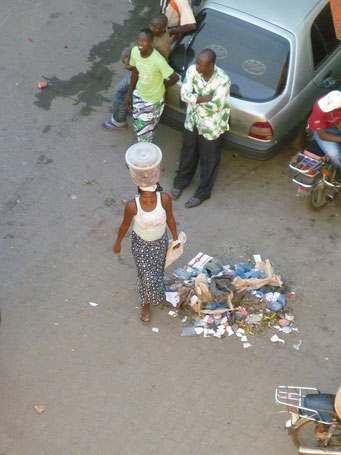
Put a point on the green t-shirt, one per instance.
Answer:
(152, 72)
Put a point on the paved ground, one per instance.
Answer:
(111, 386)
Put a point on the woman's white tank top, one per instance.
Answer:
(150, 226)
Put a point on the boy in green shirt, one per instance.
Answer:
(148, 85)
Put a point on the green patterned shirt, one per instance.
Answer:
(211, 119)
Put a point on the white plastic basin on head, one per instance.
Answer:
(143, 160)
(143, 155)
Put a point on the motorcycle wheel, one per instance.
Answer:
(317, 197)
(304, 436)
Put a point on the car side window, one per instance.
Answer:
(323, 37)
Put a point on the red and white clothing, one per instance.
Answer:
(320, 120)
(329, 121)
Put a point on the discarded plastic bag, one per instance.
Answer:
(275, 339)
(182, 274)
(174, 253)
(213, 267)
(185, 295)
(221, 285)
(255, 283)
(188, 330)
(246, 271)
(173, 298)
(216, 311)
(276, 301)
(201, 288)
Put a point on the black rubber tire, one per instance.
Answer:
(317, 197)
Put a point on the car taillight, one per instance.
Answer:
(261, 130)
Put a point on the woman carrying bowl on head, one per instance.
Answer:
(151, 213)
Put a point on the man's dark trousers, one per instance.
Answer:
(196, 148)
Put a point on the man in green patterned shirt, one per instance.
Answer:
(206, 90)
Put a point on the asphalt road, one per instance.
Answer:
(110, 385)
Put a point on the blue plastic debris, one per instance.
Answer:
(186, 274)
(188, 330)
(246, 271)
(259, 274)
(241, 269)
(278, 304)
(215, 305)
(259, 294)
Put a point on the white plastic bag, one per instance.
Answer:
(174, 254)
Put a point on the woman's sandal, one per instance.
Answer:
(145, 318)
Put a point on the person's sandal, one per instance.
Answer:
(193, 202)
(176, 193)
(145, 318)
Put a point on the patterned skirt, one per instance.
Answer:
(150, 259)
(145, 117)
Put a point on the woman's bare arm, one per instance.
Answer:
(129, 212)
(167, 205)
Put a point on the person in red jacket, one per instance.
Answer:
(325, 124)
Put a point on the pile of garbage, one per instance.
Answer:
(213, 299)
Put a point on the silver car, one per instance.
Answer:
(280, 57)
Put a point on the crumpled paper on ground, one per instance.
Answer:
(201, 288)
(255, 283)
